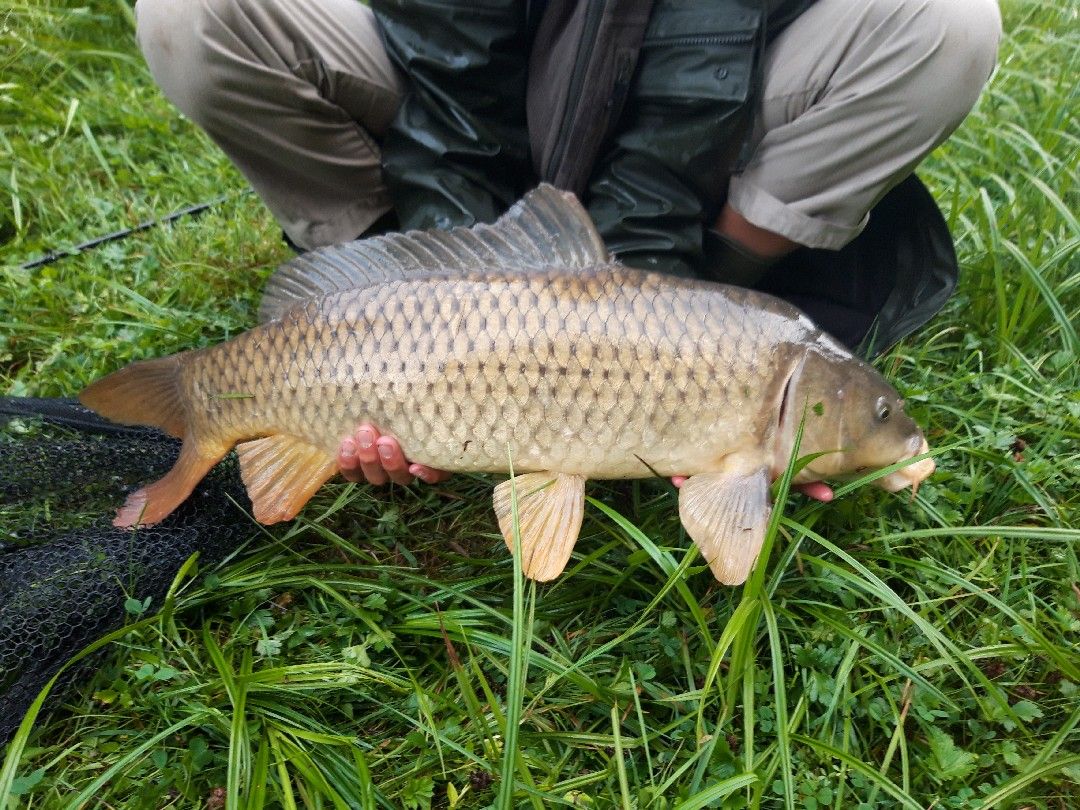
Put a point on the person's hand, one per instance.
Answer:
(818, 490)
(367, 456)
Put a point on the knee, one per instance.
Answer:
(967, 39)
(177, 40)
(958, 45)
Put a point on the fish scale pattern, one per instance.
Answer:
(591, 372)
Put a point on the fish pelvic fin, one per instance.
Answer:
(726, 514)
(154, 502)
(546, 228)
(281, 473)
(146, 392)
(551, 506)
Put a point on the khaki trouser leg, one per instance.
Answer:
(296, 92)
(856, 94)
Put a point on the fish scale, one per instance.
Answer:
(523, 341)
(479, 385)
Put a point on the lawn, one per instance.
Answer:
(383, 651)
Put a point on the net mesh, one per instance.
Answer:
(65, 572)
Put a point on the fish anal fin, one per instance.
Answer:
(550, 509)
(154, 502)
(281, 473)
(726, 514)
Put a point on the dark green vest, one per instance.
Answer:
(641, 108)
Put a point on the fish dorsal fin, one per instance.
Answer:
(545, 228)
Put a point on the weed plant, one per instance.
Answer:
(383, 651)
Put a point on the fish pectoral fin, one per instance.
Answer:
(550, 508)
(726, 514)
(281, 473)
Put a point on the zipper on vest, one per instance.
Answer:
(594, 13)
(702, 39)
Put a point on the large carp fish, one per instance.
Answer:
(525, 341)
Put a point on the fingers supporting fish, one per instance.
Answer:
(393, 460)
(358, 459)
(429, 475)
(376, 459)
(818, 490)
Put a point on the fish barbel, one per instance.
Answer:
(520, 340)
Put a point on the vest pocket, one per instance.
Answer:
(692, 55)
(689, 102)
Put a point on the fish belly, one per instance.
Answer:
(609, 374)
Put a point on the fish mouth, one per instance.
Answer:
(912, 475)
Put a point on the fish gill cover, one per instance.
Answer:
(66, 573)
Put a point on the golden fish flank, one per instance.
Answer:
(521, 339)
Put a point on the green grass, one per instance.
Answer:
(890, 652)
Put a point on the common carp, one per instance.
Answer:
(522, 340)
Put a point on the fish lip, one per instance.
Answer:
(912, 475)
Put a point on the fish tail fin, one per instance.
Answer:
(154, 502)
(143, 393)
(149, 393)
